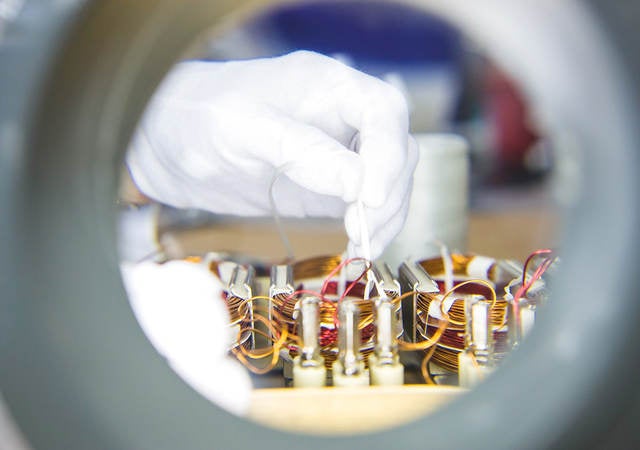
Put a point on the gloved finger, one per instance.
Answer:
(309, 157)
(380, 114)
(293, 200)
(384, 235)
(377, 218)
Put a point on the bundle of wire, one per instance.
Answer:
(240, 310)
(440, 323)
(324, 272)
(548, 258)
(452, 339)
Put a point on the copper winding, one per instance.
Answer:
(318, 267)
(451, 341)
(456, 312)
(443, 339)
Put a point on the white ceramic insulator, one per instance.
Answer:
(385, 374)
(469, 373)
(308, 377)
(479, 267)
(439, 202)
(527, 320)
(342, 380)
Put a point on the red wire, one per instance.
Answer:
(329, 336)
(544, 251)
(334, 272)
(540, 270)
(353, 284)
(524, 288)
(338, 268)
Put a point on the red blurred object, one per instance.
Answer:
(513, 135)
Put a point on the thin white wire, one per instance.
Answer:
(365, 243)
(448, 266)
(342, 278)
(274, 210)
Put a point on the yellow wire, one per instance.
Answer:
(452, 290)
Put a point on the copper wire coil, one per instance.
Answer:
(451, 342)
(436, 265)
(238, 308)
(331, 356)
(317, 267)
(454, 339)
(285, 307)
(240, 316)
(456, 312)
(244, 341)
(446, 358)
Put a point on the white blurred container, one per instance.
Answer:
(438, 210)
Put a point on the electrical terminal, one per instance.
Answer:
(308, 366)
(476, 361)
(323, 324)
(349, 369)
(384, 364)
(522, 310)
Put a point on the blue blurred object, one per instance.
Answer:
(368, 32)
(419, 53)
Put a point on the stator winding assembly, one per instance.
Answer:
(330, 321)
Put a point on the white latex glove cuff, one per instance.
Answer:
(179, 307)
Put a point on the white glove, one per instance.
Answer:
(216, 133)
(178, 305)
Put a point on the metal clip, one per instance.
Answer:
(386, 279)
(241, 282)
(281, 280)
(414, 278)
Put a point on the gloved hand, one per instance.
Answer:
(178, 305)
(216, 133)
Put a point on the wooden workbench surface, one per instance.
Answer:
(346, 410)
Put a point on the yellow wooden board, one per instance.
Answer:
(341, 411)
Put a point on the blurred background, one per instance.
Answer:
(517, 173)
(514, 178)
